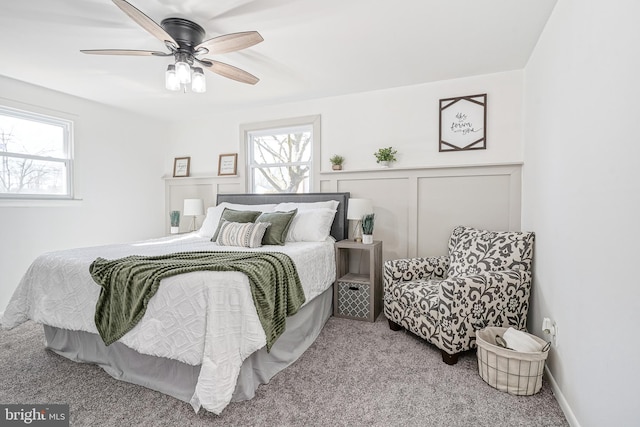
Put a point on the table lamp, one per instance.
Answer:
(358, 208)
(193, 207)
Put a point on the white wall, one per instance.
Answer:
(581, 194)
(357, 125)
(119, 162)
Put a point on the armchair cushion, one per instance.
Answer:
(420, 295)
(473, 251)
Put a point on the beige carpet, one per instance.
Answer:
(355, 374)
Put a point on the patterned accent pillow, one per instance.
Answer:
(473, 251)
(244, 234)
(280, 223)
(233, 215)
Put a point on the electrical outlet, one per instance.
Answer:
(550, 328)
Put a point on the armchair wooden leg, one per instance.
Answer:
(394, 326)
(449, 359)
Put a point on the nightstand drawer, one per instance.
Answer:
(353, 299)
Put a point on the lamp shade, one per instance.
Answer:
(358, 208)
(193, 207)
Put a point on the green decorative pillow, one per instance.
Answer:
(280, 223)
(244, 234)
(232, 215)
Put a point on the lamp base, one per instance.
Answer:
(357, 231)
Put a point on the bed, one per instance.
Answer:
(200, 339)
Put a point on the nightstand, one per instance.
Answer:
(358, 295)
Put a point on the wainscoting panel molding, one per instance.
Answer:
(416, 208)
(446, 202)
(391, 207)
(205, 188)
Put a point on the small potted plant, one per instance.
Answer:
(174, 216)
(336, 162)
(367, 228)
(384, 156)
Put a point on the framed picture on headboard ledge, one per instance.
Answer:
(463, 123)
(181, 166)
(228, 164)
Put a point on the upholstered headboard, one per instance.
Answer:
(339, 228)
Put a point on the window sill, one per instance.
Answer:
(39, 203)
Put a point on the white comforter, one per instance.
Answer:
(201, 318)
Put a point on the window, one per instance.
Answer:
(35, 155)
(280, 159)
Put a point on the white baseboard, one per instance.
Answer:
(564, 405)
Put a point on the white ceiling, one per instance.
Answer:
(312, 48)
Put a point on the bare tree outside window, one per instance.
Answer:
(34, 155)
(280, 160)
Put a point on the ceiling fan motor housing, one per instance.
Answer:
(188, 34)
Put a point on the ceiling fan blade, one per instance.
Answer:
(124, 52)
(229, 71)
(231, 42)
(145, 22)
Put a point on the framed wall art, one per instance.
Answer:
(181, 166)
(463, 123)
(228, 164)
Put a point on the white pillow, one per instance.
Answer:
(311, 225)
(289, 206)
(211, 221)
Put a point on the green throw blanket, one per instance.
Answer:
(129, 283)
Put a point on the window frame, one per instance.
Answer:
(247, 130)
(67, 126)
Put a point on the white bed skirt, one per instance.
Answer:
(179, 379)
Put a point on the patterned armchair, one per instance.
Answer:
(484, 281)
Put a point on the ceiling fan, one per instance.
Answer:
(184, 39)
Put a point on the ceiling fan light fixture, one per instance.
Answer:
(171, 81)
(183, 69)
(199, 83)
